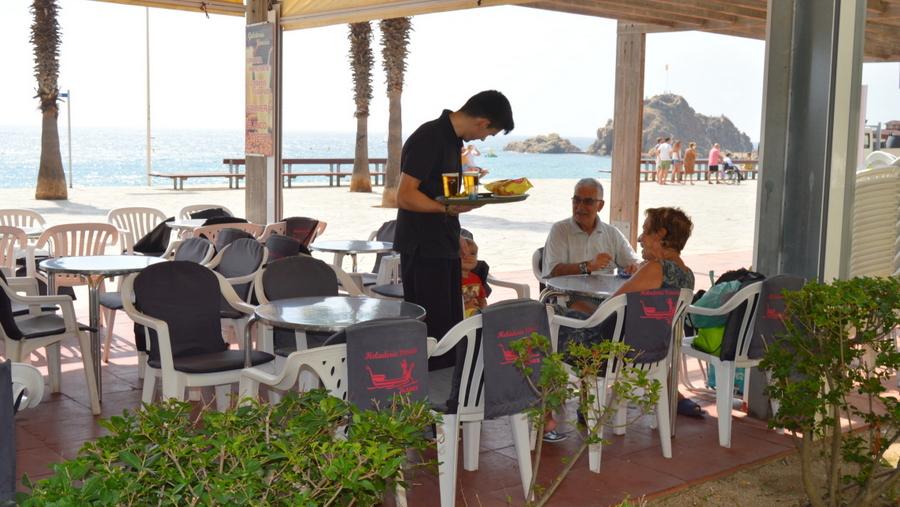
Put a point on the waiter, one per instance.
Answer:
(427, 235)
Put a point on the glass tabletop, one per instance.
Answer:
(331, 314)
(595, 286)
(107, 265)
(352, 246)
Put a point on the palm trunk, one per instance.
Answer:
(51, 183)
(395, 145)
(361, 180)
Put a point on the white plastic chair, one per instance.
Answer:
(42, 330)
(28, 380)
(20, 217)
(177, 373)
(273, 228)
(469, 414)
(211, 232)
(725, 370)
(185, 212)
(658, 370)
(70, 240)
(133, 224)
(12, 241)
(874, 249)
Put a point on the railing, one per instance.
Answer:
(749, 169)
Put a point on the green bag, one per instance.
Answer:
(709, 339)
(713, 298)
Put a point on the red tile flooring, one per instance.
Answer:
(632, 464)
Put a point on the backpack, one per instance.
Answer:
(710, 330)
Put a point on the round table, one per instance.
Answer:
(329, 314)
(94, 269)
(593, 286)
(352, 248)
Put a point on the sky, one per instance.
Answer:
(557, 70)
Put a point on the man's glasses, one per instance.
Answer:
(587, 202)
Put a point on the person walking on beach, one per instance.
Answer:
(713, 164)
(664, 152)
(690, 157)
(427, 234)
(676, 163)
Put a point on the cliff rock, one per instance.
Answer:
(671, 116)
(543, 144)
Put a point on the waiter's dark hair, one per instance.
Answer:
(491, 105)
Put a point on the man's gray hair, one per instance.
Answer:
(591, 182)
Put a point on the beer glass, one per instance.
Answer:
(470, 179)
(451, 184)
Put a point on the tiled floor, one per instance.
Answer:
(631, 464)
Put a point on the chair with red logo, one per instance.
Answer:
(489, 386)
(754, 319)
(648, 322)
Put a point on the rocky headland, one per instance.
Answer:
(670, 115)
(543, 144)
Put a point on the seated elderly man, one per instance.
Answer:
(583, 244)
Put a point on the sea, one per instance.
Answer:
(106, 157)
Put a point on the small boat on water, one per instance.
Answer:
(490, 154)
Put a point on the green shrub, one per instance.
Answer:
(838, 344)
(259, 454)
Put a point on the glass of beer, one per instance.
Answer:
(451, 184)
(470, 180)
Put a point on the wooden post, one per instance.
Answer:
(623, 197)
(263, 189)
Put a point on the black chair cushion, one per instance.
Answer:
(111, 300)
(280, 246)
(243, 257)
(215, 362)
(209, 213)
(300, 276)
(193, 250)
(229, 235)
(18, 309)
(186, 296)
(301, 228)
(393, 290)
(155, 241)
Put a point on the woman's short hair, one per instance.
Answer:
(693, 145)
(675, 221)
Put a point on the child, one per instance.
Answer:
(474, 297)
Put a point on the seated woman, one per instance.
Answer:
(665, 232)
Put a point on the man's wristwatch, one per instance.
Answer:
(583, 268)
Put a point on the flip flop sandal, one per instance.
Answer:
(690, 408)
(554, 436)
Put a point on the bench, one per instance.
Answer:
(178, 178)
(701, 172)
(334, 173)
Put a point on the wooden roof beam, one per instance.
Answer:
(674, 9)
(637, 10)
(884, 28)
(714, 10)
(570, 8)
(890, 11)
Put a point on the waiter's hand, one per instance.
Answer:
(599, 262)
(463, 208)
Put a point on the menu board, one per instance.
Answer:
(260, 101)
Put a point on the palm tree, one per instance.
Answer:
(394, 40)
(45, 35)
(361, 61)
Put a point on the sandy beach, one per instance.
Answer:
(507, 234)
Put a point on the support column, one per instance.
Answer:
(627, 129)
(263, 192)
(811, 106)
(810, 132)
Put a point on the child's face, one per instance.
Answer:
(470, 260)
